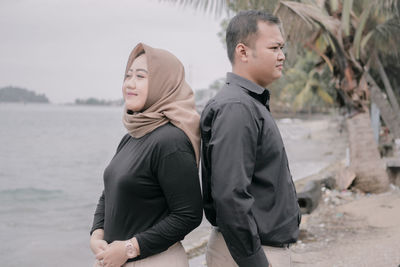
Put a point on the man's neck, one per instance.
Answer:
(246, 75)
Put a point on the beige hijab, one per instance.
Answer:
(169, 99)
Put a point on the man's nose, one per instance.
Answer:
(281, 55)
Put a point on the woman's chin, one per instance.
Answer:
(133, 108)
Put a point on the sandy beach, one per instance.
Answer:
(348, 228)
(351, 229)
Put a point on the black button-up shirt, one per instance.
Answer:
(248, 191)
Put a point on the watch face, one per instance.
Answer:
(130, 250)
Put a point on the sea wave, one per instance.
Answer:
(29, 194)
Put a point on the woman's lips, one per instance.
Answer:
(131, 94)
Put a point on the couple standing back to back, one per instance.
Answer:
(152, 196)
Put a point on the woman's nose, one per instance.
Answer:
(131, 83)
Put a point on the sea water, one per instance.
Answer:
(52, 159)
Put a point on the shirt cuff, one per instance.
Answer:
(95, 227)
(144, 250)
(258, 259)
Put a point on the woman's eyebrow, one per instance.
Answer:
(139, 70)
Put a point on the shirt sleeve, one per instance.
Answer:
(98, 220)
(178, 177)
(233, 145)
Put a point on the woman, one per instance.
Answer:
(151, 196)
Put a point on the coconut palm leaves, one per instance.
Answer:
(349, 37)
(306, 86)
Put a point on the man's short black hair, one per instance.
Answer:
(243, 28)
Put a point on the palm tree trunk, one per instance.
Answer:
(365, 159)
(389, 90)
(391, 118)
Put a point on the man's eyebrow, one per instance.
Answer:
(139, 70)
(279, 43)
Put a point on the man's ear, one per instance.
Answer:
(241, 52)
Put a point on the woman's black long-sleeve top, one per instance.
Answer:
(151, 191)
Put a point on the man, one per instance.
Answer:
(248, 192)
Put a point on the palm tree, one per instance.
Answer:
(350, 37)
(305, 86)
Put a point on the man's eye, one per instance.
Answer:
(127, 76)
(140, 76)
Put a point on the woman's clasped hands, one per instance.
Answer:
(113, 255)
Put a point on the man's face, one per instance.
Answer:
(265, 61)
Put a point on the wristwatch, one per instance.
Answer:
(130, 249)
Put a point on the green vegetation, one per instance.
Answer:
(16, 94)
(304, 88)
(98, 102)
(351, 38)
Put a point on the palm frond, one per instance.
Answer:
(338, 50)
(365, 40)
(324, 96)
(300, 21)
(385, 39)
(306, 15)
(387, 7)
(359, 31)
(347, 7)
(303, 97)
(334, 5)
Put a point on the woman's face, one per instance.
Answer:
(135, 87)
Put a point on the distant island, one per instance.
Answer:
(98, 102)
(16, 94)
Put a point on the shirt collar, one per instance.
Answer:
(260, 93)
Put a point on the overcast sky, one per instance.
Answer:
(79, 48)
